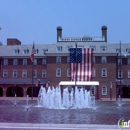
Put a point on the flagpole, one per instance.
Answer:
(76, 64)
(32, 72)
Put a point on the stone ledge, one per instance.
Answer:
(58, 126)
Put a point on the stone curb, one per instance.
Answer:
(58, 126)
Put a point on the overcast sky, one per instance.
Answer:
(36, 20)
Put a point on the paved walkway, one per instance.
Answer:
(32, 126)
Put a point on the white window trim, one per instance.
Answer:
(56, 73)
(102, 90)
(15, 51)
(105, 71)
(104, 59)
(5, 73)
(44, 63)
(15, 61)
(119, 61)
(68, 59)
(44, 73)
(103, 48)
(58, 48)
(68, 72)
(119, 74)
(128, 61)
(57, 61)
(25, 51)
(16, 74)
(26, 62)
(5, 61)
(128, 73)
(25, 74)
(35, 62)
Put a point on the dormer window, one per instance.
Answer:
(68, 47)
(36, 51)
(94, 48)
(128, 50)
(25, 51)
(117, 50)
(44, 51)
(103, 48)
(59, 48)
(16, 51)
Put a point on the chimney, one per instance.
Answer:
(13, 41)
(104, 32)
(59, 32)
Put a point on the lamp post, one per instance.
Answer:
(110, 90)
(120, 73)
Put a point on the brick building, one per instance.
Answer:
(51, 65)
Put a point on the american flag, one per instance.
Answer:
(81, 63)
(32, 53)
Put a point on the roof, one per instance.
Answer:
(79, 83)
(8, 51)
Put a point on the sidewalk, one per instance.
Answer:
(32, 126)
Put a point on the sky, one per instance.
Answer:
(37, 20)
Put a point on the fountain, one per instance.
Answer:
(15, 100)
(27, 101)
(80, 98)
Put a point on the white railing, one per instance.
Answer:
(82, 39)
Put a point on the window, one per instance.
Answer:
(120, 74)
(92, 90)
(24, 73)
(104, 72)
(34, 74)
(16, 51)
(118, 50)
(128, 61)
(25, 51)
(104, 59)
(36, 51)
(103, 48)
(68, 72)
(119, 61)
(15, 62)
(24, 61)
(44, 51)
(94, 73)
(58, 59)
(68, 59)
(14, 74)
(59, 48)
(128, 73)
(5, 73)
(5, 61)
(44, 61)
(94, 59)
(58, 72)
(94, 48)
(35, 61)
(104, 90)
(44, 74)
(128, 50)
(68, 47)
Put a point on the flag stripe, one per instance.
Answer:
(82, 71)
